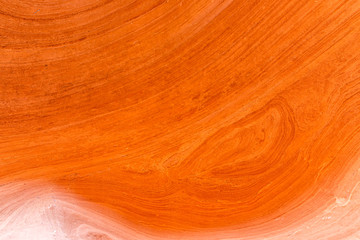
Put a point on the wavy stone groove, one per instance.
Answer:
(166, 119)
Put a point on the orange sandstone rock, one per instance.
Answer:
(166, 119)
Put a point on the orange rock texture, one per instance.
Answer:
(164, 119)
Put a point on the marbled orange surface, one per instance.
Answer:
(164, 119)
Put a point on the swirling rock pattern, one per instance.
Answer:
(164, 119)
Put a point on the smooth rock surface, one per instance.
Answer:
(164, 119)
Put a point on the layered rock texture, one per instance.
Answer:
(169, 119)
